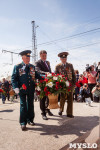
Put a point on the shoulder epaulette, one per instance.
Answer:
(69, 63)
(18, 64)
(58, 65)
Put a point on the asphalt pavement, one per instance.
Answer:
(53, 134)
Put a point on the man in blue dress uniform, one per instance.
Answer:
(23, 82)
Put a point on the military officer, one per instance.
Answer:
(23, 82)
(66, 69)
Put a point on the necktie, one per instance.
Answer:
(46, 65)
(64, 65)
(27, 68)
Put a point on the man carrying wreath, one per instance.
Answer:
(67, 70)
(23, 82)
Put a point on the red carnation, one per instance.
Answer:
(46, 94)
(45, 89)
(24, 87)
(46, 80)
(68, 90)
(1, 91)
(63, 76)
(56, 87)
(57, 83)
(41, 81)
(53, 74)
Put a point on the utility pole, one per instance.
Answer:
(34, 45)
(5, 51)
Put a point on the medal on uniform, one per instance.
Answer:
(32, 73)
(69, 74)
(21, 71)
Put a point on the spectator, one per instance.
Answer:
(96, 92)
(3, 94)
(91, 75)
(82, 80)
(0, 87)
(98, 67)
(6, 87)
(12, 94)
(98, 72)
(76, 88)
(85, 94)
(0, 84)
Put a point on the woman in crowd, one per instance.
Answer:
(91, 75)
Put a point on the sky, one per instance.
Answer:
(54, 19)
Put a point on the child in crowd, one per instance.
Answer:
(12, 94)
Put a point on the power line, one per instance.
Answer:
(68, 38)
(72, 36)
(50, 39)
(85, 45)
(6, 51)
(87, 22)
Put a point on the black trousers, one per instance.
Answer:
(44, 102)
(96, 99)
(26, 108)
(91, 86)
(7, 95)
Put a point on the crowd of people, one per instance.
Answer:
(87, 87)
(8, 93)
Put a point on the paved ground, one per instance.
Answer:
(53, 134)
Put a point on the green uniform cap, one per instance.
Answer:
(25, 52)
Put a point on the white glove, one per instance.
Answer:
(16, 90)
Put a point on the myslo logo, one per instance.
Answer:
(82, 145)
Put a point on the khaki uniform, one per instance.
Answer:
(68, 71)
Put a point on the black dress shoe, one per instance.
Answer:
(70, 116)
(31, 123)
(60, 113)
(50, 113)
(23, 127)
(44, 117)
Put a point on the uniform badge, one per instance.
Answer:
(32, 72)
(21, 71)
(67, 69)
(69, 74)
